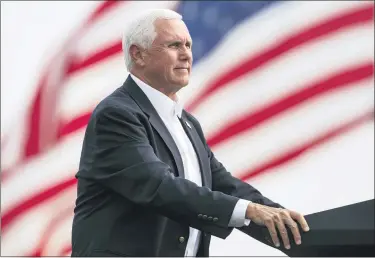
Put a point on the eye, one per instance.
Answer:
(175, 44)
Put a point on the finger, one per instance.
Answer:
(283, 233)
(295, 230)
(301, 220)
(271, 228)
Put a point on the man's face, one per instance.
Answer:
(168, 61)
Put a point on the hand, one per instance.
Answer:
(271, 217)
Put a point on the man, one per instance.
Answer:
(148, 183)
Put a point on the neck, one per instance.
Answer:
(156, 86)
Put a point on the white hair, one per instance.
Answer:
(142, 32)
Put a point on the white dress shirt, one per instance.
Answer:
(169, 111)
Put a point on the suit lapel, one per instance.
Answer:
(199, 149)
(160, 127)
(155, 120)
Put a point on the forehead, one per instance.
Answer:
(171, 29)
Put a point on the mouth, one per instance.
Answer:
(182, 69)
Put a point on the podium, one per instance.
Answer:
(346, 231)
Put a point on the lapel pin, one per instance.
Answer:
(188, 124)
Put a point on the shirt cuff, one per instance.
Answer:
(238, 218)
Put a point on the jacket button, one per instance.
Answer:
(200, 216)
(181, 239)
(210, 218)
(204, 216)
(215, 219)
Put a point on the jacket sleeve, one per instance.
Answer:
(223, 181)
(124, 161)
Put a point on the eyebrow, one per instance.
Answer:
(179, 41)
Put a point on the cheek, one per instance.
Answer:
(164, 63)
(170, 58)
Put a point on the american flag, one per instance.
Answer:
(284, 92)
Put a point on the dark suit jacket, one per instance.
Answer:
(132, 197)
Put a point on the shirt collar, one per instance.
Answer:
(165, 106)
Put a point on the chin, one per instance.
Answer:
(181, 82)
(182, 85)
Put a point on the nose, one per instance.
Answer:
(185, 54)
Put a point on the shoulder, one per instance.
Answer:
(119, 103)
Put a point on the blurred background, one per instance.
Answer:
(284, 92)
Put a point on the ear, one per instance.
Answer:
(137, 55)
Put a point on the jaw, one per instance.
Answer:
(181, 80)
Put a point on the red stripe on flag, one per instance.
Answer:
(32, 146)
(37, 253)
(336, 81)
(67, 250)
(74, 125)
(32, 142)
(351, 18)
(31, 202)
(297, 152)
(103, 8)
(97, 57)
